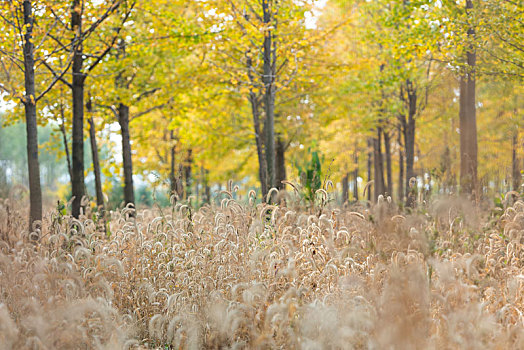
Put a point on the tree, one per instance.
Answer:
(88, 51)
(19, 27)
(261, 48)
(94, 156)
(468, 116)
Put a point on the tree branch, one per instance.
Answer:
(114, 6)
(149, 110)
(115, 37)
(59, 77)
(146, 94)
(112, 108)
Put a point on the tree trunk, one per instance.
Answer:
(515, 162)
(187, 172)
(64, 140)
(96, 161)
(355, 177)
(389, 175)
(370, 162)
(409, 142)
(201, 187)
(172, 172)
(262, 164)
(33, 166)
(400, 130)
(468, 120)
(345, 188)
(378, 165)
(123, 120)
(77, 181)
(197, 189)
(269, 96)
(280, 163)
(207, 189)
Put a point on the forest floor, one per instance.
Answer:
(242, 275)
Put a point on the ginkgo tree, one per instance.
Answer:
(26, 45)
(260, 48)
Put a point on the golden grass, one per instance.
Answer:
(256, 276)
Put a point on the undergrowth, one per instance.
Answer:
(247, 275)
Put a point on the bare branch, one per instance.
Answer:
(114, 6)
(2, 87)
(59, 77)
(112, 108)
(149, 110)
(146, 94)
(16, 61)
(115, 37)
(58, 18)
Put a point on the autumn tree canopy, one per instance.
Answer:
(399, 98)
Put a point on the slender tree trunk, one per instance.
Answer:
(262, 164)
(98, 175)
(409, 142)
(77, 181)
(345, 188)
(207, 189)
(468, 120)
(180, 181)
(378, 165)
(355, 177)
(197, 188)
(172, 172)
(269, 96)
(463, 133)
(370, 164)
(280, 163)
(35, 189)
(400, 132)
(389, 174)
(123, 120)
(201, 186)
(515, 162)
(187, 172)
(64, 140)
(96, 161)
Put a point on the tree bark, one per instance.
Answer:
(378, 162)
(262, 164)
(409, 142)
(401, 165)
(269, 95)
(207, 189)
(345, 188)
(64, 140)
(96, 161)
(355, 177)
(35, 189)
(77, 181)
(280, 163)
(389, 175)
(515, 162)
(187, 172)
(370, 162)
(468, 120)
(123, 120)
(172, 172)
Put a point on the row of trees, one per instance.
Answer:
(254, 82)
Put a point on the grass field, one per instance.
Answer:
(239, 275)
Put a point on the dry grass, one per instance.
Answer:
(257, 276)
